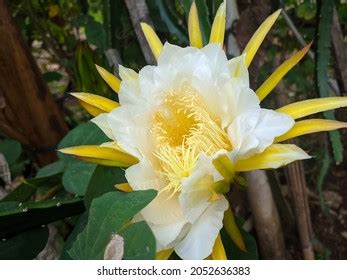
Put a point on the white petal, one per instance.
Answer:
(127, 73)
(197, 188)
(217, 59)
(142, 176)
(239, 99)
(168, 53)
(238, 69)
(199, 241)
(253, 131)
(163, 209)
(131, 128)
(166, 234)
(102, 123)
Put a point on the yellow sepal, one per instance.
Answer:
(273, 157)
(218, 251)
(109, 78)
(152, 38)
(280, 72)
(194, 31)
(310, 126)
(311, 106)
(258, 37)
(163, 255)
(233, 230)
(225, 167)
(101, 155)
(95, 104)
(124, 187)
(218, 26)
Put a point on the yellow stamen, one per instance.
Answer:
(109, 78)
(182, 130)
(280, 72)
(259, 36)
(218, 26)
(163, 255)
(101, 155)
(195, 36)
(310, 126)
(233, 230)
(95, 104)
(311, 106)
(153, 40)
(273, 157)
(218, 251)
(124, 187)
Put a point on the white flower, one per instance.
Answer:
(188, 124)
(175, 118)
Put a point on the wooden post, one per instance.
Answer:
(28, 112)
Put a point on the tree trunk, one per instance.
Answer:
(28, 112)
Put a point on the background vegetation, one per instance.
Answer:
(45, 199)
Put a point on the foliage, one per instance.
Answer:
(70, 37)
(102, 223)
(323, 55)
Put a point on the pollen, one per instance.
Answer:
(182, 130)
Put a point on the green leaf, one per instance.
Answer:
(24, 246)
(231, 249)
(20, 194)
(306, 11)
(7, 205)
(95, 33)
(326, 163)
(170, 21)
(108, 214)
(76, 178)
(102, 181)
(52, 76)
(139, 242)
(11, 149)
(51, 169)
(26, 189)
(16, 217)
(79, 227)
(325, 19)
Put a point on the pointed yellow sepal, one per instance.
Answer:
(101, 155)
(310, 126)
(274, 156)
(218, 26)
(152, 38)
(280, 72)
(233, 230)
(218, 251)
(311, 106)
(124, 187)
(225, 167)
(95, 104)
(194, 31)
(163, 255)
(258, 37)
(109, 78)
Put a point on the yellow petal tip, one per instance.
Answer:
(109, 78)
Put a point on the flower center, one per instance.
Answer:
(183, 129)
